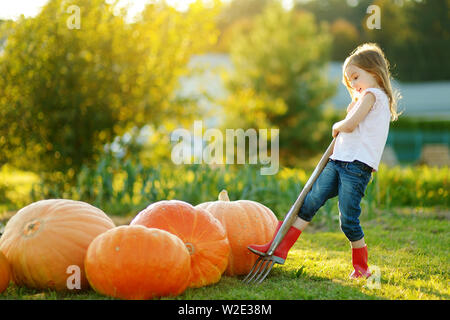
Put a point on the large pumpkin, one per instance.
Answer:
(5, 273)
(203, 235)
(136, 262)
(246, 222)
(46, 242)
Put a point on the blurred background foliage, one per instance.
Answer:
(415, 34)
(71, 98)
(65, 93)
(279, 80)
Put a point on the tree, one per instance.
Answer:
(279, 80)
(236, 17)
(345, 39)
(65, 92)
(239, 9)
(416, 38)
(331, 10)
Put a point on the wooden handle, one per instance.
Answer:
(293, 212)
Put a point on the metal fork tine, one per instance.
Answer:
(258, 265)
(253, 268)
(272, 263)
(263, 271)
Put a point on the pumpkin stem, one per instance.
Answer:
(190, 248)
(223, 195)
(31, 227)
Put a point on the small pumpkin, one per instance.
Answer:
(246, 222)
(42, 240)
(136, 262)
(5, 273)
(202, 234)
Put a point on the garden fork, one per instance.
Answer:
(265, 262)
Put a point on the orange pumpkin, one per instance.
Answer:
(135, 262)
(46, 242)
(202, 234)
(246, 222)
(5, 273)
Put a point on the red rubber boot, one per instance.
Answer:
(282, 250)
(359, 261)
(260, 249)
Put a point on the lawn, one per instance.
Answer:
(409, 249)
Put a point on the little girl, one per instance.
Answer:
(360, 140)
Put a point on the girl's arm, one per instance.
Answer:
(349, 124)
(350, 106)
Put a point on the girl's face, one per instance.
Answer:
(359, 79)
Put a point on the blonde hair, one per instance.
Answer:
(370, 58)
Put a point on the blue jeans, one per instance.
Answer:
(348, 181)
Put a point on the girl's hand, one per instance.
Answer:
(335, 130)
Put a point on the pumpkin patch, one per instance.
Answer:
(168, 247)
(202, 234)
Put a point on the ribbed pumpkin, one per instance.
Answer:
(136, 262)
(46, 237)
(5, 273)
(246, 222)
(203, 235)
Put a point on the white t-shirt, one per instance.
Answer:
(366, 143)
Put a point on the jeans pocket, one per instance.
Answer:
(354, 170)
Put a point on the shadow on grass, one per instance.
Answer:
(301, 285)
(281, 284)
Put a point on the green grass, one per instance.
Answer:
(410, 248)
